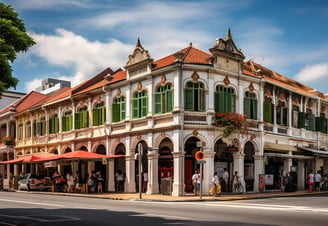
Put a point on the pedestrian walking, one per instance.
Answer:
(215, 184)
(317, 181)
(310, 180)
(195, 178)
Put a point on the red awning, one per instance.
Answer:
(78, 155)
(27, 158)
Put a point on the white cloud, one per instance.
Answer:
(312, 73)
(74, 52)
(49, 4)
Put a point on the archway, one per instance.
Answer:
(249, 151)
(190, 149)
(144, 163)
(119, 167)
(223, 159)
(99, 166)
(165, 160)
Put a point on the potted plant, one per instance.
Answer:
(233, 122)
(8, 140)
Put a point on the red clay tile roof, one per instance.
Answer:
(30, 99)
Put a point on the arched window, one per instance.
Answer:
(164, 99)
(67, 121)
(41, 126)
(140, 104)
(54, 124)
(82, 118)
(99, 114)
(118, 109)
(225, 99)
(250, 105)
(195, 96)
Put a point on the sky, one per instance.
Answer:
(77, 39)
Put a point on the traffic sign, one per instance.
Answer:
(201, 161)
(199, 155)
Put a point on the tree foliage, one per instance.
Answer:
(13, 39)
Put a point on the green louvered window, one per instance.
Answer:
(250, 105)
(82, 118)
(163, 99)
(320, 124)
(301, 120)
(267, 111)
(99, 114)
(310, 121)
(118, 109)
(195, 96)
(224, 100)
(34, 128)
(54, 124)
(20, 132)
(140, 104)
(67, 121)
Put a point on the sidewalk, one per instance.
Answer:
(187, 197)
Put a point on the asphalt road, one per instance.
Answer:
(44, 209)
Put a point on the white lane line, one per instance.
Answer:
(32, 203)
(267, 207)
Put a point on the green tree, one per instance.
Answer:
(13, 39)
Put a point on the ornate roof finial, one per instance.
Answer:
(139, 43)
(228, 36)
(190, 44)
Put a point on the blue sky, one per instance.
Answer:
(76, 39)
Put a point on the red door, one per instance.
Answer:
(188, 175)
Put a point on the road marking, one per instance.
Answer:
(56, 218)
(32, 203)
(266, 207)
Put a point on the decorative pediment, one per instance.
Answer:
(139, 54)
(195, 76)
(251, 87)
(226, 47)
(226, 81)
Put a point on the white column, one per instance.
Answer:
(152, 186)
(178, 184)
(111, 174)
(130, 181)
(288, 162)
(208, 170)
(258, 169)
(300, 175)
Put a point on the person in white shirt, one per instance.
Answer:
(310, 179)
(195, 179)
(215, 183)
(317, 181)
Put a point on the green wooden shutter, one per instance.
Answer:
(122, 108)
(70, 123)
(85, 121)
(267, 116)
(144, 104)
(216, 101)
(254, 109)
(95, 120)
(189, 99)
(222, 108)
(77, 120)
(247, 110)
(311, 122)
(228, 103)
(319, 123)
(169, 100)
(115, 112)
(135, 108)
(301, 120)
(158, 102)
(50, 123)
